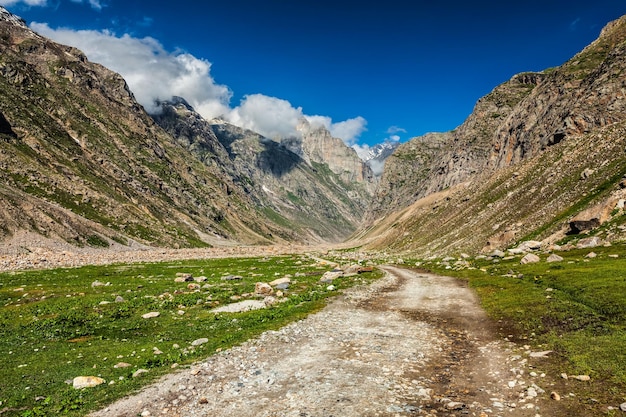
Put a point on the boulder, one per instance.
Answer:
(579, 226)
(330, 276)
(529, 259)
(554, 258)
(590, 242)
(529, 245)
(81, 382)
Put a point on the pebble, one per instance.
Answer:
(151, 315)
(622, 407)
(199, 342)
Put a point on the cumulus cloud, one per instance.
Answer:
(349, 130)
(154, 74)
(151, 72)
(27, 2)
(270, 116)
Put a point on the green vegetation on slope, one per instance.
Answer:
(59, 324)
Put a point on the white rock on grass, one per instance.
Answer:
(81, 382)
(529, 259)
(151, 315)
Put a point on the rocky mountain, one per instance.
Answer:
(320, 191)
(376, 155)
(513, 168)
(82, 162)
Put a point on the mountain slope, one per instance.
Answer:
(82, 161)
(463, 189)
(310, 198)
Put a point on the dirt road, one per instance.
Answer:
(411, 344)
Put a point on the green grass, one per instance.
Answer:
(576, 307)
(55, 325)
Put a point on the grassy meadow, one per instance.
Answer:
(575, 307)
(58, 324)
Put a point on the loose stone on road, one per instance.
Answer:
(410, 344)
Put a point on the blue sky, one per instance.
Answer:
(369, 71)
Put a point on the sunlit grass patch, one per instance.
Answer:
(59, 324)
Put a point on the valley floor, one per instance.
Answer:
(410, 344)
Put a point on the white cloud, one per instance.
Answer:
(362, 151)
(96, 4)
(349, 130)
(395, 129)
(270, 116)
(153, 73)
(376, 166)
(27, 2)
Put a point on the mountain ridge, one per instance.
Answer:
(97, 170)
(531, 118)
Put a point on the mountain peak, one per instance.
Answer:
(7, 16)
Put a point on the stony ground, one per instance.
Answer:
(411, 344)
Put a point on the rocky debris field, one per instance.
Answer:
(28, 251)
(410, 344)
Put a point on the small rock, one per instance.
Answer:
(232, 278)
(119, 299)
(200, 279)
(199, 342)
(622, 407)
(139, 372)
(270, 300)
(122, 365)
(582, 377)
(555, 396)
(540, 354)
(81, 382)
(454, 405)
(263, 288)
(591, 255)
(280, 281)
(564, 375)
(183, 277)
(146, 413)
(203, 400)
(193, 286)
(331, 288)
(151, 315)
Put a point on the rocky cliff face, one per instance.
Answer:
(318, 195)
(517, 120)
(317, 145)
(563, 115)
